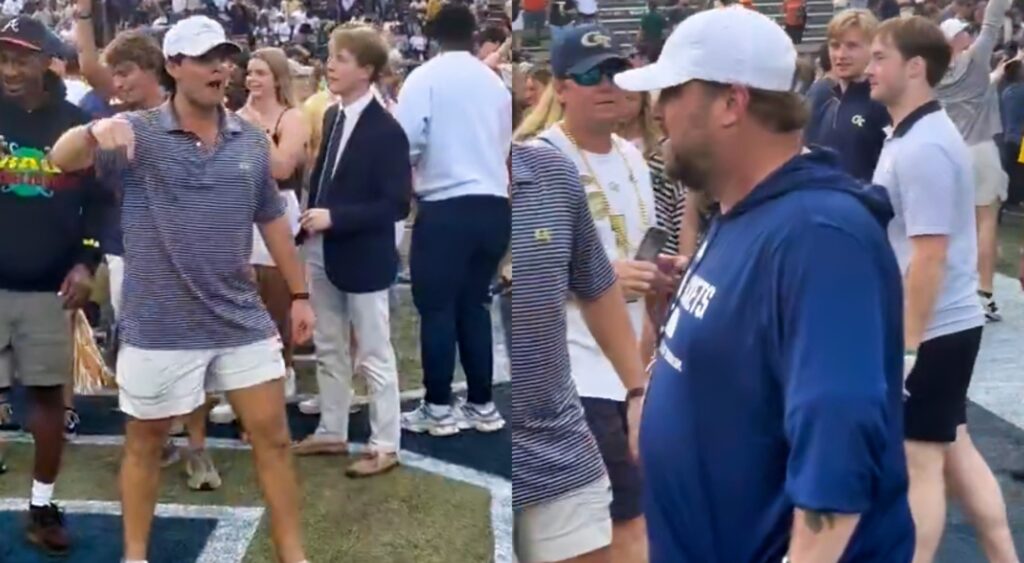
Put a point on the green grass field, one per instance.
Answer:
(404, 516)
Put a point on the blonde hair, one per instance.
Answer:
(546, 113)
(281, 69)
(365, 44)
(650, 131)
(846, 20)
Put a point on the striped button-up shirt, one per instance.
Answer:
(187, 213)
(556, 253)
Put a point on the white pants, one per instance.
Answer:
(567, 527)
(115, 271)
(156, 384)
(337, 314)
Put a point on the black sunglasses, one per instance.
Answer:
(594, 76)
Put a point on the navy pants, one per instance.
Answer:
(457, 245)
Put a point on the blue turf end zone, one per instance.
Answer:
(97, 539)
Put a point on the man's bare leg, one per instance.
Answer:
(195, 424)
(603, 555)
(988, 225)
(973, 484)
(927, 496)
(46, 423)
(140, 482)
(261, 410)
(629, 541)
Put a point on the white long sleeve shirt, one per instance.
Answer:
(457, 115)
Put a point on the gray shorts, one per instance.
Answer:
(35, 339)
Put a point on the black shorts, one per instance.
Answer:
(607, 421)
(938, 387)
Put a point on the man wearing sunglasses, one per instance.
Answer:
(193, 178)
(617, 182)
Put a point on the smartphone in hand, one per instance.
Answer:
(650, 247)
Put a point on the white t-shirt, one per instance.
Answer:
(260, 254)
(283, 31)
(594, 375)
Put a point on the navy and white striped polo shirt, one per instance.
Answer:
(187, 213)
(555, 251)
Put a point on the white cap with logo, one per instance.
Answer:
(194, 37)
(952, 27)
(731, 45)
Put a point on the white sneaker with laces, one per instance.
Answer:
(482, 418)
(223, 414)
(437, 420)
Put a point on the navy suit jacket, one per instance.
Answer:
(369, 193)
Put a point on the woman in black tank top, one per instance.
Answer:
(270, 107)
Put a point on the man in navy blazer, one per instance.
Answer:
(360, 187)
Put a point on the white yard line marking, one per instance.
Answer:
(228, 543)
(998, 381)
(499, 488)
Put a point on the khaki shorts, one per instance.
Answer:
(990, 180)
(35, 339)
(157, 384)
(567, 527)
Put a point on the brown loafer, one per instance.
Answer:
(372, 463)
(319, 444)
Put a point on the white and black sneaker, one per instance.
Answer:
(482, 418)
(988, 303)
(71, 422)
(437, 420)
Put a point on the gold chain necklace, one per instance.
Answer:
(618, 222)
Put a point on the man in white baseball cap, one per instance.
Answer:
(969, 96)
(193, 178)
(787, 398)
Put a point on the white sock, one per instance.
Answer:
(42, 493)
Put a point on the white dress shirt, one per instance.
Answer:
(457, 115)
(352, 113)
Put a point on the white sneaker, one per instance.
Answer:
(482, 418)
(310, 406)
(222, 414)
(289, 387)
(437, 420)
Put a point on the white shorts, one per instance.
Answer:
(990, 180)
(156, 384)
(567, 527)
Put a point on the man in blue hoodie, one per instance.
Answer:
(772, 425)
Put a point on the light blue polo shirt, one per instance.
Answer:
(926, 168)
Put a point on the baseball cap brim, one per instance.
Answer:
(20, 43)
(649, 78)
(198, 50)
(590, 62)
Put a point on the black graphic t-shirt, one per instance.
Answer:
(49, 220)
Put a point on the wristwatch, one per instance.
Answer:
(635, 393)
(300, 296)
